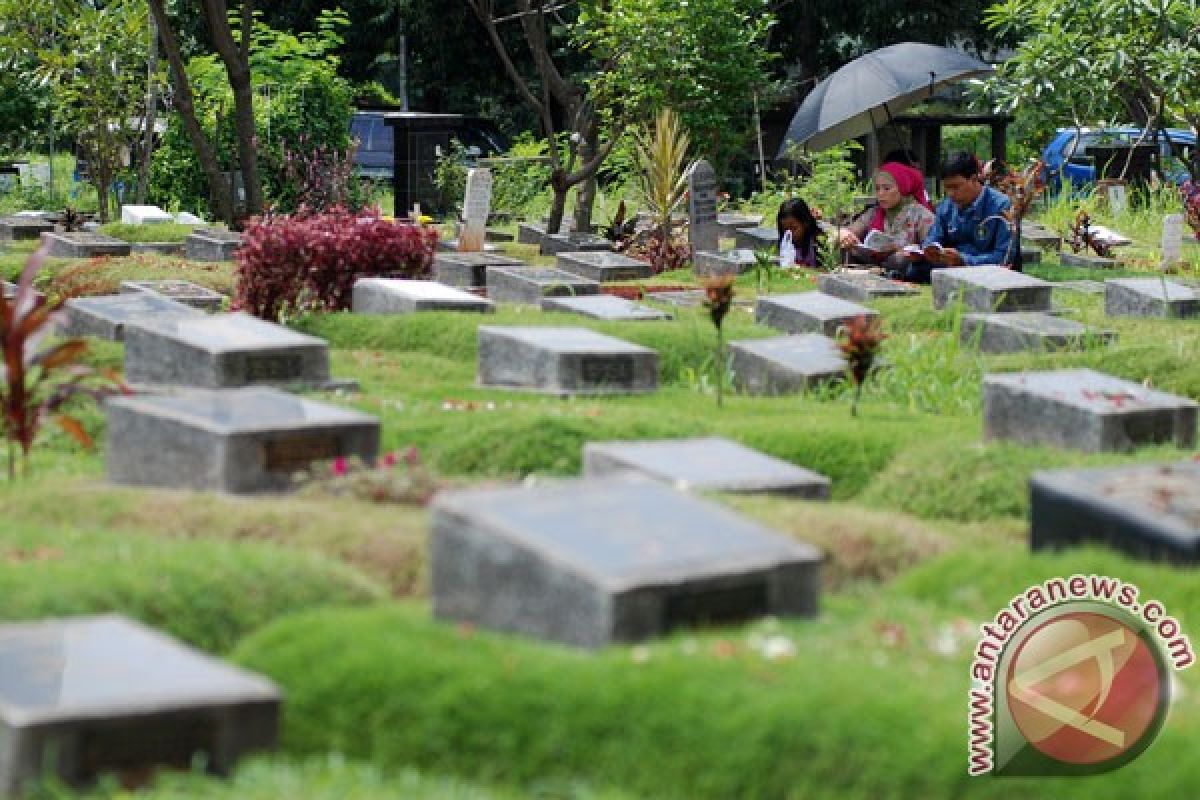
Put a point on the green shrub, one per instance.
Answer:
(167, 232)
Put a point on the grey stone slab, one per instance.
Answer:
(863, 287)
(989, 289)
(707, 263)
(83, 245)
(530, 232)
(684, 298)
(703, 228)
(22, 228)
(603, 267)
(105, 317)
(808, 312)
(756, 238)
(1068, 259)
(240, 441)
(785, 364)
(1146, 510)
(592, 562)
(85, 695)
(145, 215)
(158, 248)
(530, 284)
(186, 292)
(1019, 331)
(212, 244)
(1086, 287)
(387, 296)
(469, 269)
(564, 361)
(730, 222)
(452, 246)
(707, 464)
(1085, 410)
(1039, 238)
(604, 306)
(1149, 297)
(554, 243)
(222, 351)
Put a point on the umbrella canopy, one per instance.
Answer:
(868, 91)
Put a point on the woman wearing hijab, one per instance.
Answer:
(903, 214)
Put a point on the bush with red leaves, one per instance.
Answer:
(308, 261)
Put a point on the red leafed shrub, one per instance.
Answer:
(309, 261)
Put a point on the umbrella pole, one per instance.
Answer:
(762, 160)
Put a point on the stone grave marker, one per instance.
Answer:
(212, 244)
(1069, 259)
(222, 351)
(730, 222)
(469, 269)
(1172, 240)
(1146, 510)
(145, 215)
(593, 562)
(533, 232)
(724, 262)
(477, 204)
(80, 244)
(704, 464)
(808, 312)
(1018, 331)
(1084, 286)
(188, 218)
(1081, 409)
(703, 229)
(603, 267)
(530, 284)
(604, 306)
(158, 248)
(785, 364)
(684, 298)
(862, 287)
(21, 228)
(240, 441)
(1038, 237)
(1149, 297)
(989, 289)
(564, 361)
(554, 243)
(105, 316)
(81, 696)
(756, 239)
(186, 292)
(387, 296)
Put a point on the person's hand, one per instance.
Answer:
(846, 238)
(951, 257)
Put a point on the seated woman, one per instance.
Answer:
(795, 217)
(903, 216)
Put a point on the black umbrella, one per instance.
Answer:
(868, 91)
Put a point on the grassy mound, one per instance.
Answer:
(164, 232)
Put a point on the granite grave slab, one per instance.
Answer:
(554, 243)
(604, 306)
(530, 284)
(1069, 259)
(989, 289)
(23, 228)
(212, 244)
(145, 215)
(186, 292)
(808, 312)
(79, 244)
(862, 287)
(757, 238)
(564, 361)
(1037, 237)
(469, 269)
(785, 364)
(603, 267)
(1150, 297)
(387, 296)
(106, 316)
(707, 263)
(730, 222)
(1019, 331)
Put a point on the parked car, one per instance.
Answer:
(375, 158)
(1067, 159)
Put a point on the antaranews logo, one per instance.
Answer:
(1073, 677)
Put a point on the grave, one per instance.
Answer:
(1081, 409)
(1150, 297)
(554, 243)
(81, 696)
(593, 562)
(730, 222)
(684, 298)
(158, 248)
(1084, 286)
(564, 361)
(477, 202)
(1069, 259)
(1039, 238)
(188, 218)
(785, 364)
(1018, 331)
(989, 289)
(452, 245)
(222, 351)
(808, 312)
(603, 267)
(145, 215)
(1030, 256)
(703, 229)
(23, 228)
(80, 244)
(469, 269)
(756, 239)
(387, 296)
(705, 464)
(212, 244)
(862, 287)
(105, 316)
(707, 263)
(186, 292)
(604, 306)
(240, 441)
(1146, 510)
(530, 284)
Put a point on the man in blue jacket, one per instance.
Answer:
(969, 228)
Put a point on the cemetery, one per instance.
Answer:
(597, 466)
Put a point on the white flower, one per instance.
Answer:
(775, 648)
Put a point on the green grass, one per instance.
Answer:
(165, 232)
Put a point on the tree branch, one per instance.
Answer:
(483, 10)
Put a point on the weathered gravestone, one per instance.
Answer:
(564, 361)
(386, 296)
(83, 245)
(469, 269)
(1172, 240)
(105, 316)
(1149, 297)
(989, 289)
(1086, 260)
(723, 262)
(785, 364)
(604, 306)
(703, 230)
(222, 351)
(87, 695)
(534, 232)
(861, 287)
(554, 243)
(145, 215)
(603, 267)
(477, 203)
(186, 292)
(1037, 237)
(592, 562)
(1147, 510)
(212, 244)
(1019, 331)
(1084, 410)
(730, 222)
(706, 464)
(756, 239)
(21, 228)
(530, 284)
(808, 312)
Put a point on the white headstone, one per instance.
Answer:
(702, 207)
(1118, 198)
(476, 205)
(144, 215)
(1172, 240)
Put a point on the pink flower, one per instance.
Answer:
(340, 467)
(389, 460)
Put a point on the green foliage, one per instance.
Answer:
(163, 232)
(519, 186)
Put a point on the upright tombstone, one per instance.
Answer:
(86, 695)
(703, 230)
(989, 289)
(593, 562)
(387, 296)
(785, 364)
(808, 312)
(530, 284)
(1172, 240)
(477, 204)
(564, 361)
(1150, 297)
(105, 316)
(469, 269)
(186, 292)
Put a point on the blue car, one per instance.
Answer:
(1067, 158)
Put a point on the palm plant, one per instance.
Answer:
(663, 179)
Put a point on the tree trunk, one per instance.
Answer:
(558, 207)
(143, 183)
(102, 180)
(585, 195)
(236, 57)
